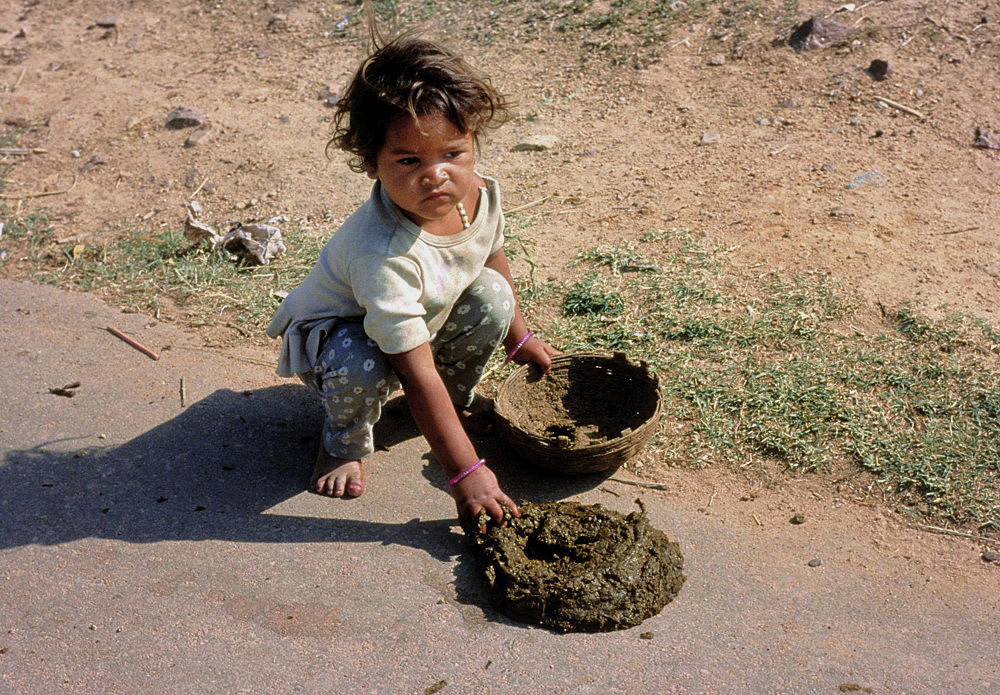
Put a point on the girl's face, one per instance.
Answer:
(427, 170)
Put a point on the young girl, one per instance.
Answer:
(414, 287)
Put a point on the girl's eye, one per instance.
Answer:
(407, 161)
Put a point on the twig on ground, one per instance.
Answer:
(18, 80)
(527, 205)
(23, 151)
(134, 343)
(183, 393)
(959, 231)
(198, 189)
(950, 532)
(640, 483)
(901, 107)
(20, 196)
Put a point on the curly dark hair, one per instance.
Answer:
(415, 77)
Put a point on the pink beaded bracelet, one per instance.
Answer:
(526, 338)
(464, 473)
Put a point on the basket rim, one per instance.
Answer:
(596, 449)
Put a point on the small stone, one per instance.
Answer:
(198, 137)
(798, 518)
(815, 562)
(192, 177)
(107, 21)
(536, 143)
(788, 104)
(716, 60)
(817, 32)
(990, 556)
(95, 161)
(879, 69)
(277, 23)
(330, 96)
(185, 117)
(710, 138)
(826, 167)
(646, 635)
(842, 212)
(986, 140)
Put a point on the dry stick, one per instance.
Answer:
(198, 189)
(22, 150)
(134, 343)
(21, 196)
(19, 78)
(959, 231)
(948, 531)
(901, 107)
(527, 205)
(183, 393)
(639, 483)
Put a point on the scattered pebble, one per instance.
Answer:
(710, 138)
(107, 21)
(716, 60)
(198, 137)
(815, 562)
(95, 161)
(536, 143)
(842, 212)
(798, 518)
(185, 117)
(815, 33)
(990, 556)
(646, 635)
(879, 69)
(986, 139)
(277, 23)
(330, 96)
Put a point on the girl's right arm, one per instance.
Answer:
(438, 422)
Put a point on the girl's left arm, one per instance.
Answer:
(534, 350)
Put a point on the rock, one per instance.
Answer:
(192, 177)
(330, 96)
(990, 556)
(879, 69)
(108, 21)
(536, 143)
(815, 562)
(798, 518)
(842, 212)
(716, 60)
(198, 137)
(95, 161)
(817, 32)
(710, 138)
(185, 117)
(277, 23)
(986, 139)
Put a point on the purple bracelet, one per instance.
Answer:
(526, 338)
(464, 473)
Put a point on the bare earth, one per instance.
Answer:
(789, 159)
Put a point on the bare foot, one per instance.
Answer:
(336, 477)
(478, 418)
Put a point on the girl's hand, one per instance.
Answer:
(480, 490)
(537, 351)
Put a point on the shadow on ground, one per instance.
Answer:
(213, 471)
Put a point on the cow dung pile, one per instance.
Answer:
(578, 568)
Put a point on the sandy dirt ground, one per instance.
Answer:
(797, 161)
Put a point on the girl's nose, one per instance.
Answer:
(435, 176)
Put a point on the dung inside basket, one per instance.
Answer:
(591, 411)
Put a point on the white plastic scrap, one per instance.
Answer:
(255, 242)
(260, 242)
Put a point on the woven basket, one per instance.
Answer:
(590, 413)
